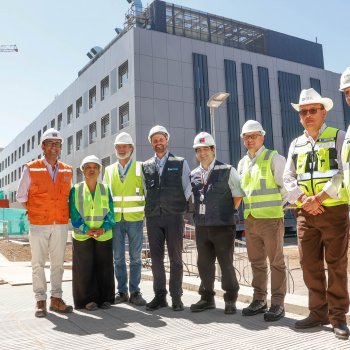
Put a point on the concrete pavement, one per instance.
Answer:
(128, 327)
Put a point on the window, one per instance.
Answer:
(123, 72)
(124, 116)
(39, 136)
(23, 149)
(12, 158)
(19, 152)
(104, 126)
(19, 172)
(92, 97)
(69, 114)
(28, 145)
(33, 141)
(78, 139)
(44, 128)
(79, 175)
(105, 162)
(104, 87)
(52, 123)
(59, 122)
(92, 132)
(70, 145)
(78, 107)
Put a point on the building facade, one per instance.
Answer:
(162, 69)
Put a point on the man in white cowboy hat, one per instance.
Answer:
(345, 88)
(313, 178)
(261, 173)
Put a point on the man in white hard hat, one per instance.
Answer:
(313, 179)
(124, 178)
(345, 88)
(43, 190)
(167, 189)
(217, 194)
(261, 173)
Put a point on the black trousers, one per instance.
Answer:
(93, 272)
(216, 242)
(169, 229)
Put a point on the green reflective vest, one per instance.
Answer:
(346, 161)
(128, 196)
(263, 198)
(92, 209)
(316, 164)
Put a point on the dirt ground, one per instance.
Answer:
(20, 251)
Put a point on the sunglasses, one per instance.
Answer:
(312, 111)
(252, 137)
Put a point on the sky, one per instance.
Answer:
(53, 38)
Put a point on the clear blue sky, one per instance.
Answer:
(54, 36)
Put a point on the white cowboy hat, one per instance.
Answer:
(310, 96)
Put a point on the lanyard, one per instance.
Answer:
(204, 183)
(122, 176)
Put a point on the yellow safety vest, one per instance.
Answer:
(128, 196)
(346, 160)
(316, 165)
(92, 210)
(263, 198)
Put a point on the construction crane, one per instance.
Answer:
(8, 48)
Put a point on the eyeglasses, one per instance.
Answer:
(311, 111)
(53, 144)
(253, 137)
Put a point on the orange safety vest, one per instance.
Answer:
(48, 200)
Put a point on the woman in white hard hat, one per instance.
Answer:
(92, 216)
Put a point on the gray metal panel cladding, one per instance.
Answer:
(232, 112)
(248, 91)
(114, 120)
(289, 91)
(265, 105)
(201, 92)
(113, 79)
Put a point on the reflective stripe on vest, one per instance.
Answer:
(263, 198)
(346, 161)
(92, 209)
(128, 196)
(316, 165)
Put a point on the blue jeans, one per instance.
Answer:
(134, 231)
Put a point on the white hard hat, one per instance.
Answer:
(252, 125)
(158, 129)
(124, 139)
(51, 134)
(345, 79)
(311, 96)
(203, 139)
(90, 159)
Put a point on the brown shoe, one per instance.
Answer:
(58, 305)
(310, 322)
(40, 309)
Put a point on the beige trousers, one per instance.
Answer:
(264, 239)
(47, 241)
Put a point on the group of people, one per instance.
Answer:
(315, 179)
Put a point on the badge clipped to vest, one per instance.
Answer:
(201, 209)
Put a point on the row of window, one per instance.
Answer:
(123, 73)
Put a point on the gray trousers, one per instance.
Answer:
(169, 229)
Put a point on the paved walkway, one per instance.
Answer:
(128, 327)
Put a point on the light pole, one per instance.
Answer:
(215, 102)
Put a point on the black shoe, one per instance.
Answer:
(136, 299)
(121, 298)
(202, 305)
(230, 307)
(177, 304)
(310, 322)
(341, 331)
(157, 303)
(275, 313)
(255, 307)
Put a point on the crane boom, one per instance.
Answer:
(8, 48)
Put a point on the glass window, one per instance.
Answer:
(123, 73)
(104, 126)
(28, 145)
(104, 87)
(39, 137)
(69, 114)
(53, 123)
(33, 141)
(59, 122)
(70, 145)
(92, 97)
(248, 91)
(92, 132)
(78, 107)
(44, 128)
(78, 140)
(124, 116)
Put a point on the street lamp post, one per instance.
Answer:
(215, 102)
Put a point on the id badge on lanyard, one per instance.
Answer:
(201, 198)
